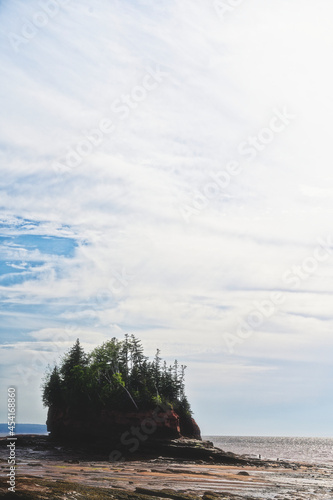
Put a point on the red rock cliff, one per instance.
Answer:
(112, 423)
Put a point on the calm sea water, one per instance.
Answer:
(313, 450)
(24, 429)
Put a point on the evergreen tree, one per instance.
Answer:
(74, 358)
(53, 389)
(115, 375)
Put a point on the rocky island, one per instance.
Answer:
(115, 392)
(121, 428)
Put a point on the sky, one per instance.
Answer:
(166, 172)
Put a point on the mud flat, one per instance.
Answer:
(187, 469)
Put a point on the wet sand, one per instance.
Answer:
(49, 473)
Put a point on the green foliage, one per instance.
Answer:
(115, 375)
(53, 388)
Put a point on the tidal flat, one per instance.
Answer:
(51, 470)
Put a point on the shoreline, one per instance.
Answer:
(50, 469)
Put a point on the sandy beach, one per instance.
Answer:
(45, 471)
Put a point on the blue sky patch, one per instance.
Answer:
(50, 245)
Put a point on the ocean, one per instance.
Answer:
(24, 429)
(298, 449)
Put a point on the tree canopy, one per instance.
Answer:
(115, 375)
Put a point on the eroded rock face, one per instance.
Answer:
(189, 428)
(158, 424)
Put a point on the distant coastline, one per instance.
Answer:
(24, 429)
